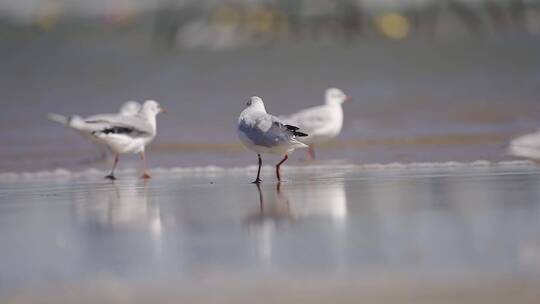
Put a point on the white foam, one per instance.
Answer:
(62, 173)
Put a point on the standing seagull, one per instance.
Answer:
(322, 122)
(128, 134)
(79, 125)
(526, 146)
(265, 133)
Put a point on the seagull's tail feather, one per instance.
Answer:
(61, 119)
(297, 144)
(299, 134)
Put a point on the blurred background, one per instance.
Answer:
(432, 80)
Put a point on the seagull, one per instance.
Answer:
(130, 108)
(527, 146)
(265, 133)
(77, 123)
(322, 122)
(128, 134)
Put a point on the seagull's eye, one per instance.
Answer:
(248, 103)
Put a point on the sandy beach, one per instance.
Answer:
(418, 233)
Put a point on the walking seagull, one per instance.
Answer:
(323, 122)
(77, 123)
(128, 134)
(264, 133)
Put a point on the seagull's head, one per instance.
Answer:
(130, 108)
(152, 107)
(256, 103)
(336, 96)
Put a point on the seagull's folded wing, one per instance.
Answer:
(132, 125)
(266, 130)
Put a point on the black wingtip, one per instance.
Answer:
(295, 131)
(292, 128)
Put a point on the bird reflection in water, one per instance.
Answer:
(262, 225)
(278, 210)
(315, 202)
(124, 207)
(306, 200)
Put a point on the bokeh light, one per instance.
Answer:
(394, 25)
(48, 14)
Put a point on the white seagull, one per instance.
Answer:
(128, 134)
(265, 133)
(79, 125)
(322, 122)
(527, 146)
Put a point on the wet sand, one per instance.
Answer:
(424, 233)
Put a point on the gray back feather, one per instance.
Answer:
(277, 134)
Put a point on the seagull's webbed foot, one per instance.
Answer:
(111, 177)
(257, 181)
(146, 175)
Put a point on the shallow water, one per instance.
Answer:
(394, 228)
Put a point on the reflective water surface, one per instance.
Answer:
(433, 224)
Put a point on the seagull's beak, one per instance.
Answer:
(162, 110)
(348, 98)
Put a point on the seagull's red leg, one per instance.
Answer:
(115, 162)
(145, 175)
(258, 180)
(278, 165)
